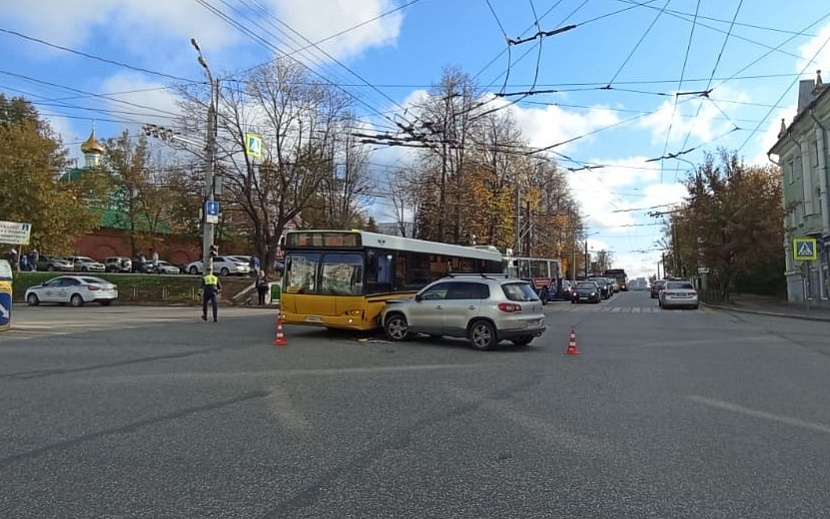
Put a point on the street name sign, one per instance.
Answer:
(15, 233)
(805, 249)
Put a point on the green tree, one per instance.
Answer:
(732, 223)
(32, 159)
(139, 198)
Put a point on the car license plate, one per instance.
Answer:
(313, 319)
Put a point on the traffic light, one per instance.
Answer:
(214, 250)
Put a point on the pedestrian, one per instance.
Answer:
(211, 287)
(262, 286)
(155, 256)
(34, 259)
(13, 260)
(24, 262)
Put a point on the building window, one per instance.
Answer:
(814, 153)
(791, 172)
(817, 201)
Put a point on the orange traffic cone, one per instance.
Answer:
(280, 340)
(572, 344)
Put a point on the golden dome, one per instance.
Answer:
(92, 145)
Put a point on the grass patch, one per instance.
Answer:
(141, 288)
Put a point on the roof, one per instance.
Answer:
(808, 108)
(116, 219)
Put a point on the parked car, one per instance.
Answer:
(222, 265)
(587, 291)
(165, 267)
(86, 264)
(72, 290)
(484, 309)
(656, 287)
(678, 294)
(53, 263)
(118, 264)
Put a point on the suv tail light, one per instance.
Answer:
(510, 307)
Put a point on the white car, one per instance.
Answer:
(86, 264)
(678, 294)
(165, 267)
(222, 265)
(72, 290)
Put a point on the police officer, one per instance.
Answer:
(210, 291)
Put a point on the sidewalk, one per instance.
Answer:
(766, 305)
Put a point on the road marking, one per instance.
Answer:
(735, 408)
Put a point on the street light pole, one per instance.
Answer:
(210, 159)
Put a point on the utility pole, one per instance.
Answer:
(587, 260)
(210, 154)
(518, 218)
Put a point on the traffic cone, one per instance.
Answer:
(572, 344)
(280, 340)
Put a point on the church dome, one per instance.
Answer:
(92, 145)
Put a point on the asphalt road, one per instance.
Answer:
(151, 413)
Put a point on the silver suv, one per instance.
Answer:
(483, 308)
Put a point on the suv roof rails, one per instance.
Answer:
(486, 275)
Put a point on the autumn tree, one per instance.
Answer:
(731, 222)
(140, 200)
(32, 159)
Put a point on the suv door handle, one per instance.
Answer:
(472, 307)
(437, 307)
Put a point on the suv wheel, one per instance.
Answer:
(396, 328)
(483, 335)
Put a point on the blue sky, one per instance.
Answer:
(750, 55)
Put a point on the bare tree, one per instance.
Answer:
(299, 120)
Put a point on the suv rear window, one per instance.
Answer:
(519, 292)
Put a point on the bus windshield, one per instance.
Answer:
(333, 273)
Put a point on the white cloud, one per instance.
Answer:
(552, 124)
(135, 92)
(321, 19)
(72, 23)
(815, 54)
(146, 27)
(693, 120)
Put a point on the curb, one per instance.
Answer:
(767, 313)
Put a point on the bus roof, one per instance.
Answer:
(391, 242)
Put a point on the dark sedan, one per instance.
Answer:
(656, 287)
(587, 291)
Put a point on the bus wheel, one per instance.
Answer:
(396, 328)
(543, 295)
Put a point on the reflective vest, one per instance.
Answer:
(211, 280)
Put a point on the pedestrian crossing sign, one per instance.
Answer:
(253, 145)
(804, 249)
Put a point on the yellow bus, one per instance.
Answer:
(342, 279)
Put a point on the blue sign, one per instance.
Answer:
(805, 249)
(212, 208)
(5, 308)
